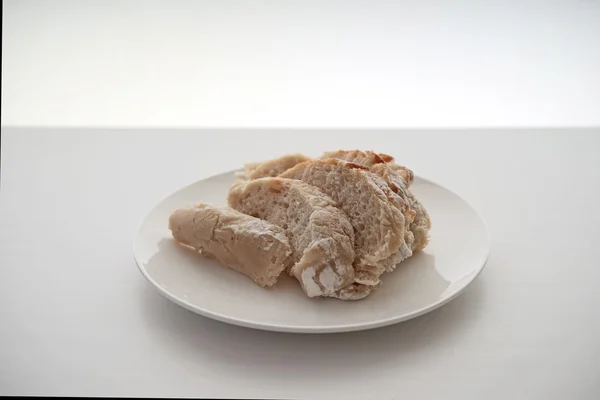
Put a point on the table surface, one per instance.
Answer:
(312, 63)
(79, 319)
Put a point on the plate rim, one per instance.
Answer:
(306, 329)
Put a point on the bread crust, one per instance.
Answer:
(369, 159)
(251, 246)
(273, 167)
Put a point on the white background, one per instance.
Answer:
(77, 317)
(432, 63)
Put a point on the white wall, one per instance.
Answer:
(301, 63)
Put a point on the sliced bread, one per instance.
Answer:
(398, 179)
(366, 199)
(320, 234)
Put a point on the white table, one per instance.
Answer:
(310, 63)
(77, 318)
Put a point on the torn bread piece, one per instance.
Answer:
(366, 199)
(320, 234)
(256, 248)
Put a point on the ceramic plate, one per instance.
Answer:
(457, 253)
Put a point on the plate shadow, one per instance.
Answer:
(251, 352)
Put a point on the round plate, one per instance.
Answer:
(456, 254)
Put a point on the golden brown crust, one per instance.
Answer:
(370, 159)
(356, 166)
(386, 158)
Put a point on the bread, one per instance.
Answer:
(334, 223)
(398, 179)
(366, 158)
(251, 246)
(420, 223)
(320, 234)
(369, 159)
(273, 167)
(366, 199)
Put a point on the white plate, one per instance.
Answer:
(457, 253)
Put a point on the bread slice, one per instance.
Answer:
(251, 246)
(273, 167)
(398, 179)
(320, 234)
(367, 200)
